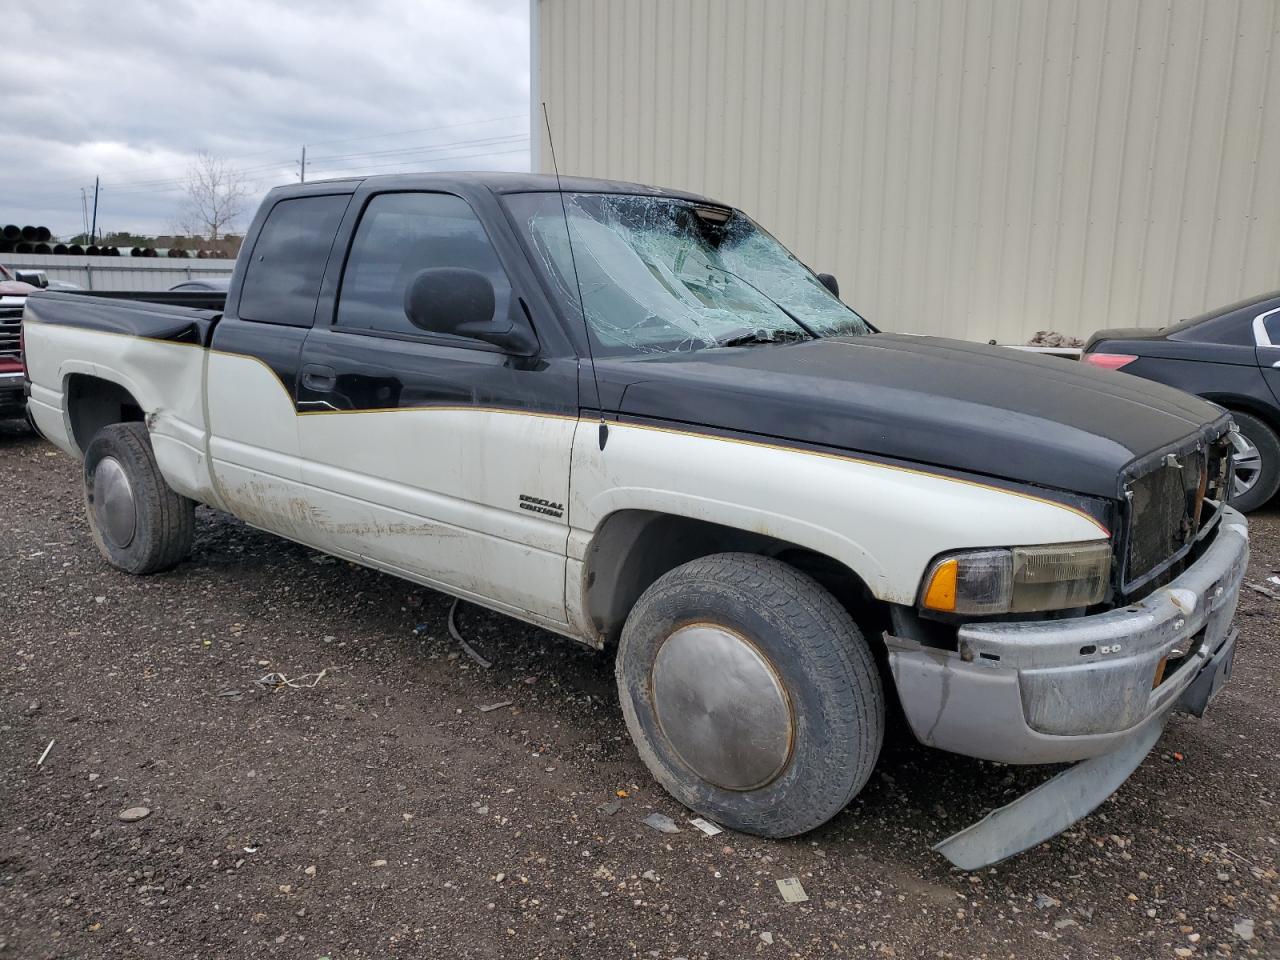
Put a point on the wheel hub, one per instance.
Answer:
(1247, 466)
(722, 706)
(113, 506)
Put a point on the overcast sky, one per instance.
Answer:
(131, 90)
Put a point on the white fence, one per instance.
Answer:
(119, 273)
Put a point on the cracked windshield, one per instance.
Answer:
(660, 275)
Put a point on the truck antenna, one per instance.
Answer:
(582, 304)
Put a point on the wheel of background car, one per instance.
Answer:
(1257, 468)
(139, 524)
(750, 693)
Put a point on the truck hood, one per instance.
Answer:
(945, 403)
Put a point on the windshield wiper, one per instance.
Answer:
(789, 315)
(742, 338)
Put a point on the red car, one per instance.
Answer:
(13, 294)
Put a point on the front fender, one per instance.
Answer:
(885, 522)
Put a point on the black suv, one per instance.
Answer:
(1230, 356)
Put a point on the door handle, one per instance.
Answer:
(319, 378)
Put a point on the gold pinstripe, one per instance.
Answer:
(848, 458)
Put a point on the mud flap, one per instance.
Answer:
(1051, 807)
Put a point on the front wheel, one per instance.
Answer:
(1257, 464)
(750, 693)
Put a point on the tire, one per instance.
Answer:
(1267, 479)
(121, 477)
(785, 658)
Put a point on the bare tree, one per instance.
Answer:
(216, 195)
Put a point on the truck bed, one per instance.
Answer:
(180, 317)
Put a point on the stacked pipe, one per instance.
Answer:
(28, 239)
(39, 240)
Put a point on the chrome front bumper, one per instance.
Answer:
(1064, 690)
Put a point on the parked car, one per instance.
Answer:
(631, 417)
(203, 285)
(1230, 356)
(13, 295)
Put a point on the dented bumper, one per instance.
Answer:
(1096, 689)
(1066, 690)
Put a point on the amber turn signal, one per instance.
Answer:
(941, 594)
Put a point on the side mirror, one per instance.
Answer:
(830, 282)
(460, 302)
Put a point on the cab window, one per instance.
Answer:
(399, 235)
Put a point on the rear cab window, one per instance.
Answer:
(282, 281)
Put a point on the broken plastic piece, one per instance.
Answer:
(661, 822)
(706, 826)
(791, 890)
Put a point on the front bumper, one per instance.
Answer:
(1064, 690)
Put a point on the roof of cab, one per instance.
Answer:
(495, 181)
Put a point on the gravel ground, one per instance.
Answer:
(383, 813)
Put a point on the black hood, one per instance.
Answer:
(944, 403)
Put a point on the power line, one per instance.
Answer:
(373, 136)
(398, 133)
(143, 186)
(360, 168)
(432, 146)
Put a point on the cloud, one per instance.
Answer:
(131, 90)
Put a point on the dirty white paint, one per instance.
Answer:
(165, 378)
(882, 522)
(437, 491)
(972, 168)
(434, 494)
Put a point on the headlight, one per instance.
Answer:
(1019, 580)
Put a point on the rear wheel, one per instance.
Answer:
(1257, 465)
(750, 693)
(139, 524)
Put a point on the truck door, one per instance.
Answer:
(438, 457)
(253, 364)
(1266, 331)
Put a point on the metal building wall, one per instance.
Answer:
(977, 168)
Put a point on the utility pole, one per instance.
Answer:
(84, 214)
(302, 165)
(93, 230)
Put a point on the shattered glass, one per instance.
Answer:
(660, 275)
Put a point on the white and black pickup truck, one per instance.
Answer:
(631, 417)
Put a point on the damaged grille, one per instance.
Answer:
(1172, 507)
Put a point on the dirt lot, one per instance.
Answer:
(382, 813)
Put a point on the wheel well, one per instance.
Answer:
(1246, 405)
(633, 548)
(94, 403)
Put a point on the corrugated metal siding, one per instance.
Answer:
(119, 273)
(975, 168)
